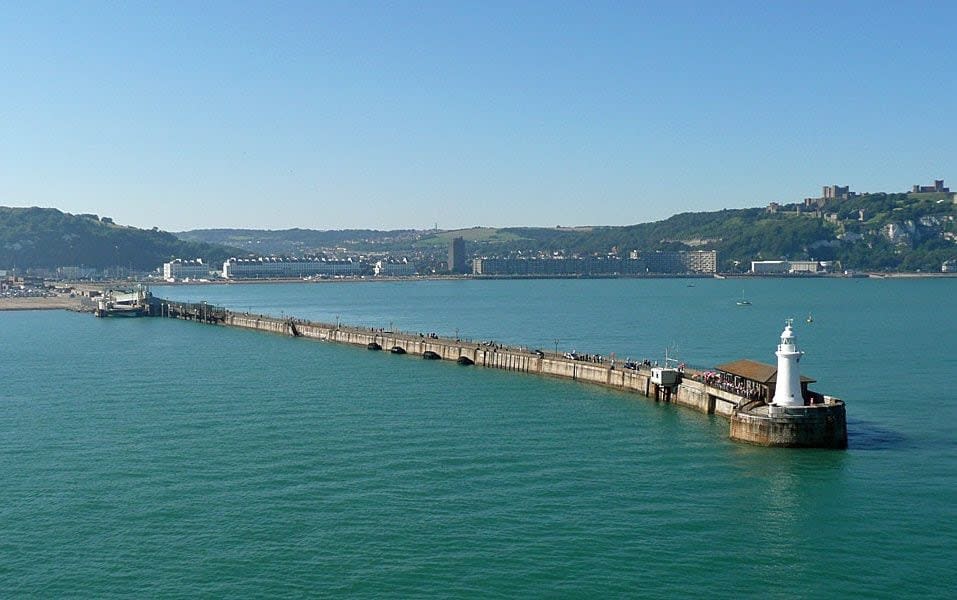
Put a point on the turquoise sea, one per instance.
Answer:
(159, 458)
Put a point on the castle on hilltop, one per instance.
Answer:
(938, 187)
(830, 193)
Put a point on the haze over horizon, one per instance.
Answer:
(363, 115)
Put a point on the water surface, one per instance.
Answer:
(168, 458)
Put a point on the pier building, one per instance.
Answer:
(393, 268)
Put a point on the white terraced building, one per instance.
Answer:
(185, 269)
(266, 267)
(388, 268)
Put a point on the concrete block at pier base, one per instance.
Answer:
(818, 426)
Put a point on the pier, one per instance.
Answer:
(737, 394)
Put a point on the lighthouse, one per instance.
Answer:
(787, 391)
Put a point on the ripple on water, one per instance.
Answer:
(207, 461)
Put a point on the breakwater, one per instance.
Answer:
(821, 423)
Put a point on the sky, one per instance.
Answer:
(402, 114)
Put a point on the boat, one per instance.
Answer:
(465, 360)
(124, 304)
(373, 346)
(429, 355)
(810, 319)
(109, 309)
(397, 350)
(743, 301)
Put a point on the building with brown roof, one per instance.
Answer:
(753, 380)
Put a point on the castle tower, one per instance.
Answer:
(787, 391)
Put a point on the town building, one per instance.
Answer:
(781, 267)
(762, 267)
(803, 266)
(178, 270)
(74, 273)
(698, 261)
(268, 267)
(457, 256)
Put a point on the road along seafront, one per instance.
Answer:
(746, 393)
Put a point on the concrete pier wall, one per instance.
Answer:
(496, 358)
(817, 426)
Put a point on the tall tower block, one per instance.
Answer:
(457, 255)
(787, 391)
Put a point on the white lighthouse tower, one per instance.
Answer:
(787, 391)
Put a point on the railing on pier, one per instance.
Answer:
(200, 311)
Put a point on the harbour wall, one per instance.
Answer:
(489, 356)
(815, 426)
(823, 426)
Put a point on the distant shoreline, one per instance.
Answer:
(63, 302)
(862, 275)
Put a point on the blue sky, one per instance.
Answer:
(389, 115)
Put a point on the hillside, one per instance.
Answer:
(49, 238)
(294, 242)
(891, 232)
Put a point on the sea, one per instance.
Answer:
(163, 458)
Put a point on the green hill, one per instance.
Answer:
(49, 238)
(296, 242)
(893, 232)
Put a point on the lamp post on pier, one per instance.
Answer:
(556, 346)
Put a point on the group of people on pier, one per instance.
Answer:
(592, 358)
(735, 385)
